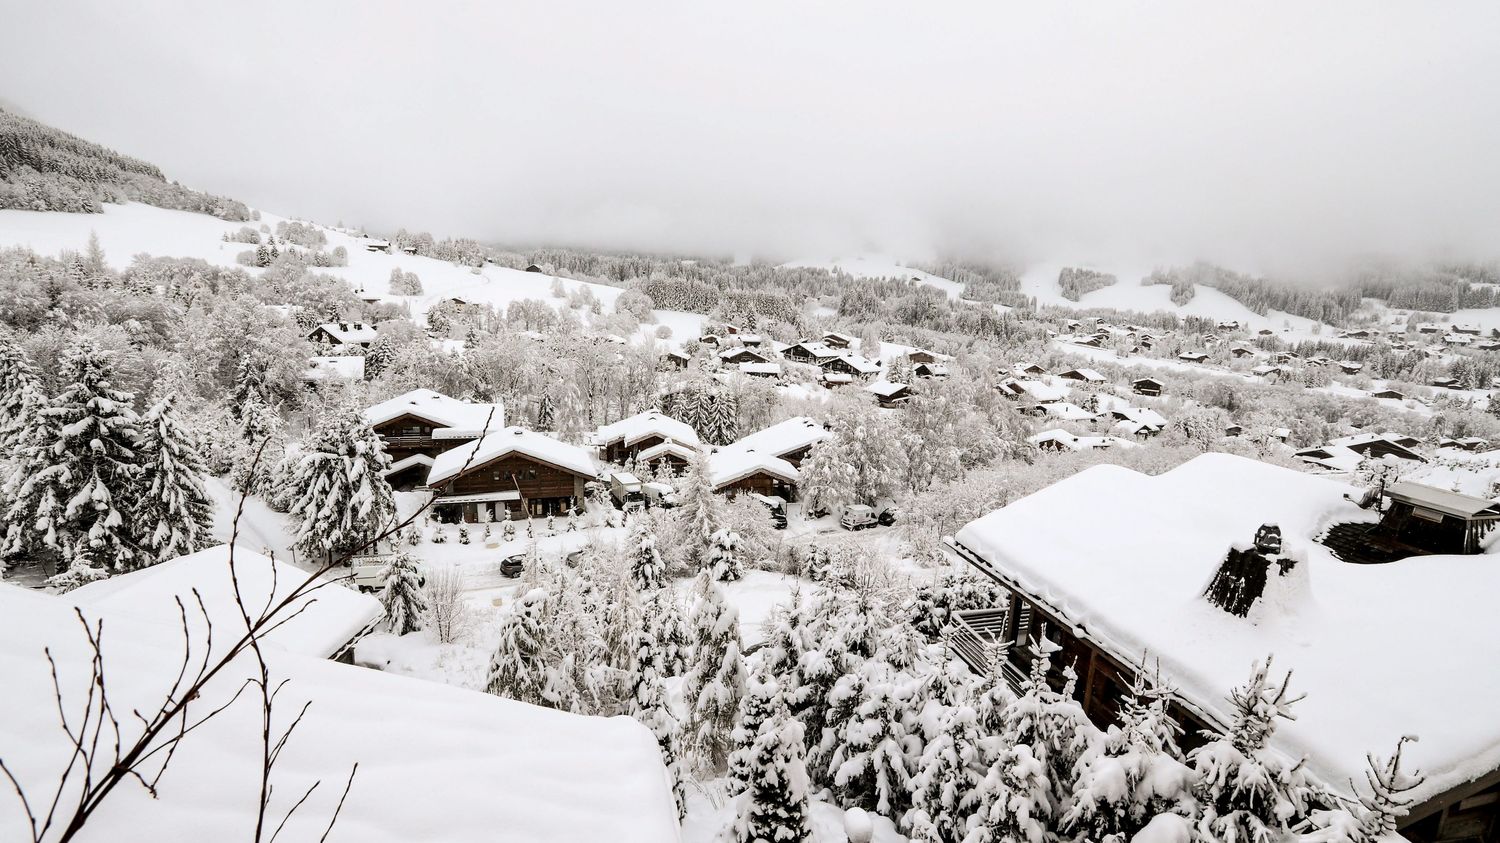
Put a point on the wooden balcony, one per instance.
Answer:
(977, 637)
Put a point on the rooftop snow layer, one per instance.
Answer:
(642, 425)
(435, 762)
(449, 415)
(1381, 650)
(512, 440)
(782, 438)
(330, 616)
(727, 465)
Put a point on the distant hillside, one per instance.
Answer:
(44, 169)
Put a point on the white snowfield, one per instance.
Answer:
(325, 619)
(131, 229)
(1380, 650)
(435, 762)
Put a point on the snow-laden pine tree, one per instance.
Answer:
(17, 381)
(702, 512)
(345, 501)
(945, 787)
(716, 677)
(648, 703)
(724, 556)
(1378, 813)
(1246, 790)
(404, 601)
(786, 641)
(868, 736)
(762, 699)
(519, 669)
(646, 569)
(677, 644)
(776, 804)
(174, 515)
(1136, 776)
(87, 478)
(826, 478)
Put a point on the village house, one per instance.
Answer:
(1058, 439)
(890, 395)
(736, 356)
(1146, 386)
(1028, 370)
(1085, 375)
(670, 456)
(789, 440)
(922, 355)
(509, 474)
(732, 470)
(762, 370)
(1266, 370)
(1141, 420)
(673, 359)
(1388, 393)
(378, 246)
(1445, 383)
(1036, 391)
(343, 333)
(751, 340)
(1350, 367)
(1200, 602)
(834, 339)
(1419, 520)
(930, 370)
(417, 426)
(832, 380)
(1347, 452)
(853, 365)
(626, 438)
(1064, 411)
(816, 353)
(1193, 356)
(531, 267)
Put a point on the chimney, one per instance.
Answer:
(1243, 575)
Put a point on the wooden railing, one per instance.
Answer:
(977, 636)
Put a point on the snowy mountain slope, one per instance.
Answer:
(127, 230)
(876, 266)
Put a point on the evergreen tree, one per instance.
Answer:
(716, 678)
(724, 556)
(175, 515)
(677, 646)
(648, 703)
(404, 601)
(31, 519)
(519, 669)
(89, 470)
(826, 478)
(762, 699)
(646, 569)
(1137, 776)
(867, 736)
(702, 510)
(776, 807)
(16, 376)
(945, 788)
(378, 357)
(1246, 790)
(345, 501)
(786, 641)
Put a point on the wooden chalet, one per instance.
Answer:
(770, 371)
(736, 356)
(834, 339)
(378, 246)
(1350, 367)
(732, 470)
(1030, 370)
(1388, 393)
(343, 333)
(627, 438)
(417, 426)
(1084, 375)
(510, 474)
(1193, 356)
(1419, 520)
(531, 267)
(930, 370)
(789, 440)
(922, 355)
(671, 457)
(673, 359)
(816, 353)
(890, 395)
(852, 365)
(1146, 386)
(1175, 606)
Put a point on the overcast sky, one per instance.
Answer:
(1265, 133)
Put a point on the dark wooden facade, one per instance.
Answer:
(843, 366)
(409, 435)
(618, 452)
(1146, 386)
(540, 489)
(761, 483)
(321, 335)
(743, 355)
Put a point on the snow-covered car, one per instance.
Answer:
(512, 565)
(858, 517)
(368, 572)
(661, 494)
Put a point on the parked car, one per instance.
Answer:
(661, 494)
(368, 572)
(858, 517)
(512, 565)
(625, 488)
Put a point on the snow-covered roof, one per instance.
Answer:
(782, 438)
(760, 368)
(436, 762)
(740, 349)
(863, 365)
(1038, 390)
(333, 615)
(452, 418)
(1134, 581)
(1142, 415)
(885, 389)
(1084, 374)
(815, 349)
(1067, 412)
(661, 449)
(348, 332)
(320, 368)
(727, 465)
(512, 440)
(642, 425)
(1074, 442)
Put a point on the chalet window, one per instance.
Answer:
(1427, 514)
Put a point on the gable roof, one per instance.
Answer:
(641, 425)
(1442, 500)
(863, 365)
(886, 389)
(348, 332)
(512, 440)
(727, 465)
(1137, 589)
(782, 438)
(452, 418)
(436, 762)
